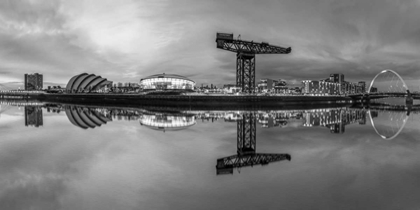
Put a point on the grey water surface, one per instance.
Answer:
(85, 157)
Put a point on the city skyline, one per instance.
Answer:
(136, 39)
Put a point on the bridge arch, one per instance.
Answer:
(386, 71)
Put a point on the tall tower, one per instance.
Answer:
(33, 81)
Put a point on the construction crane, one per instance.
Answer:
(245, 57)
(246, 148)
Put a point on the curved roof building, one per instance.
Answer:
(166, 81)
(85, 118)
(83, 82)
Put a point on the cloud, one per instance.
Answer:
(128, 40)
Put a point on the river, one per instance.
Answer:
(56, 156)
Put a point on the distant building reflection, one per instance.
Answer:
(92, 117)
(85, 118)
(167, 121)
(334, 119)
(278, 119)
(33, 116)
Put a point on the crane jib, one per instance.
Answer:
(250, 47)
(245, 58)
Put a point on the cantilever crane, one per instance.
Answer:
(245, 57)
(246, 147)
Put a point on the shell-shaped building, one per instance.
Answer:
(86, 82)
(85, 118)
(167, 82)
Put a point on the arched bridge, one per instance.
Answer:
(386, 84)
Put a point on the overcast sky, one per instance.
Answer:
(125, 40)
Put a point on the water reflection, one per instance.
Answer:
(391, 121)
(33, 116)
(387, 120)
(85, 118)
(167, 121)
(246, 148)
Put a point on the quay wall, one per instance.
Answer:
(176, 100)
(195, 101)
(186, 102)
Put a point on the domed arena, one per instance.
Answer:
(84, 83)
(167, 82)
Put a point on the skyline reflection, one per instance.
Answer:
(335, 119)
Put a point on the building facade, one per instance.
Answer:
(266, 85)
(320, 88)
(337, 78)
(334, 85)
(33, 81)
(272, 86)
(231, 88)
(362, 85)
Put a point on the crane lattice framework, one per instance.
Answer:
(246, 148)
(245, 57)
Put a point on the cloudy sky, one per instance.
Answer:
(126, 40)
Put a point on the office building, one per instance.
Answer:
(337, 78)
(362, 85)
(33, 81)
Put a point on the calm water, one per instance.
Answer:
(78, 157)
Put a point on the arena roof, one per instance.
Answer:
(84, 81)
(175, 76)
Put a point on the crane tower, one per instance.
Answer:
(245, 57)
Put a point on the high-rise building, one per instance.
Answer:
(337, 78)
(362, 85)
(33, 116)
(33, 81)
